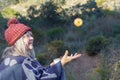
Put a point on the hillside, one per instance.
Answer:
(98, 39)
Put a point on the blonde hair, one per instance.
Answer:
(18, 48)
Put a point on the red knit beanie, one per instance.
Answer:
(14, 31)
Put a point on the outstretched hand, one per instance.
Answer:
(65, 59)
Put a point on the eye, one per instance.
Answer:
(31, 35)
(24, 36)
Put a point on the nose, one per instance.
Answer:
(31, 38)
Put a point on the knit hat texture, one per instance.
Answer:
(14, 31)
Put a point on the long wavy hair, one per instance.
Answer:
(18, 48)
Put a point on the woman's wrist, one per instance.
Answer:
(62, 62)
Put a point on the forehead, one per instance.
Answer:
(28, 32)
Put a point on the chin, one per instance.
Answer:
(30, 47)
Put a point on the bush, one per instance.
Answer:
(100, 2)
(55, 49)
(33, 12)
(42, 58)
(49, 12)
(91, 9)
(116, 30)
(96, 44)
(8, 12)
(39, 35)
(103, 72)
(55, 33)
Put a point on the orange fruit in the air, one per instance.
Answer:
(78, 22)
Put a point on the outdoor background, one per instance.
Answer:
(98, 39)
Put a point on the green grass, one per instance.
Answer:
(8, 13)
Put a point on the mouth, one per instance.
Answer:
(30, 46)
(30, 42)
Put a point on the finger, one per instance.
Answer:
(76, 56)
(66, 53)
(71, 55)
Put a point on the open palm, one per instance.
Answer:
(65, 59)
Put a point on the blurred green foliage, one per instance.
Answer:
(38, 35)
(96, 44)
(42, 58)
(103, 72)
(91, 9)
(50, 12)
(55, 33)
(55, 49)
(8, 12)
(100, 2)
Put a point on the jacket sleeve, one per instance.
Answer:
(34, 71)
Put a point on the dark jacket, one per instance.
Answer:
(24, 68)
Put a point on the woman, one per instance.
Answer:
(19, 61)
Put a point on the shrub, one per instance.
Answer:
(33, 12)
(39, 35)
(103, 72)
(55, 33)
(70, 75)
(42, 58)
(49, 12)
(96, 44)
(8, 12)
(55, 49)
(116, 30)
(100, 2)
(90, 9)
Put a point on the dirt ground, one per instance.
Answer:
(84, 68)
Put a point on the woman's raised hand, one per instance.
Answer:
(65, 59)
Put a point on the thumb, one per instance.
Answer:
(66, 53)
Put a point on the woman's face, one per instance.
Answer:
(28, 40)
